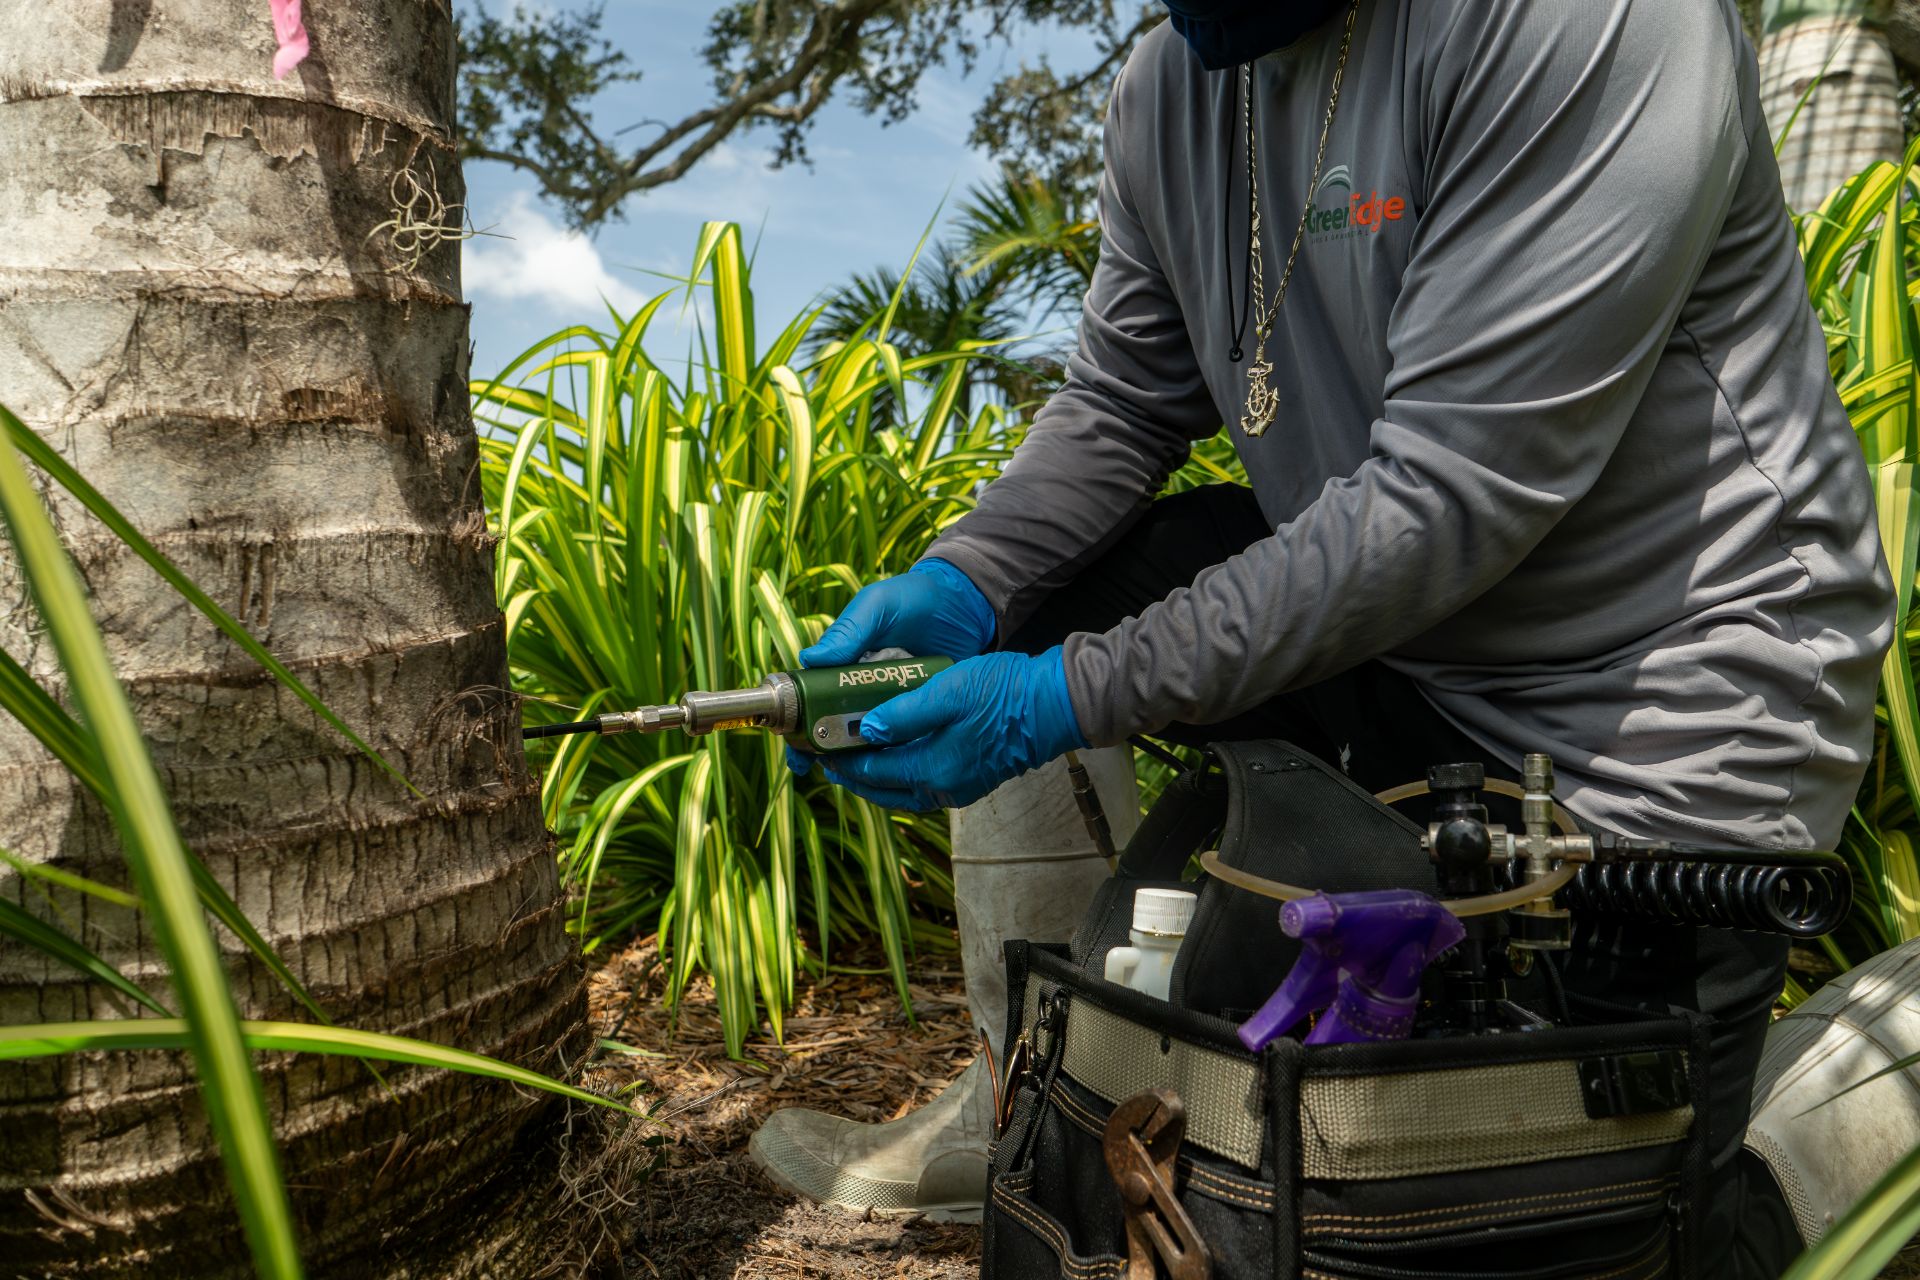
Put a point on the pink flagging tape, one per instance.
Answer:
(287, 29)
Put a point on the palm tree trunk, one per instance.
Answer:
(1851, 119)
(203, 305)
(1901, 21)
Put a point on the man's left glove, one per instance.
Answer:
(962, 733)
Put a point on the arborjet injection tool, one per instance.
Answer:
(817, 709)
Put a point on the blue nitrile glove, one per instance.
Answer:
(932, 609)
(962, 733)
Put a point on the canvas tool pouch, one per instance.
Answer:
(1567, 1152)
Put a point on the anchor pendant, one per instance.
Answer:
(1263, 402)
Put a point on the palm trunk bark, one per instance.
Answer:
(202, 303)
(1851, 118)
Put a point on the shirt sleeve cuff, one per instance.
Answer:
(1101, 722)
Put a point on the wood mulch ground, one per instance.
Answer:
(707, 1212)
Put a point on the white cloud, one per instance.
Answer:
(541, 262)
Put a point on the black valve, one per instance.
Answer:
(1447, 779)
(1461, 843)
(1473, 974)
(1462, 847)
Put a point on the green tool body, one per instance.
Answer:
(816, 709)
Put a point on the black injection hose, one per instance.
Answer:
(560, 730)
(1799, 894)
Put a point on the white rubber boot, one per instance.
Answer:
(1826, 1157)
(1023, 867)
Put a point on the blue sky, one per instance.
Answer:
(863, 203)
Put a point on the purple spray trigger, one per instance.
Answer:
(1362, 957)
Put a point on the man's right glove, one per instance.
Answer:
(931, 610)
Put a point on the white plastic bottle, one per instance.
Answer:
(1160, 919)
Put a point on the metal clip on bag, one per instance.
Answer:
(1141, 1138)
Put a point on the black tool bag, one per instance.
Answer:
(1563, 1152)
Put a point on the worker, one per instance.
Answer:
(1501, 303)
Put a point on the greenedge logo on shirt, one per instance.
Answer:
(1339, 212)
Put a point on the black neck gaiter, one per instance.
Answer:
(1226, 33)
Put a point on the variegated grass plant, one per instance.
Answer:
(669, 525)
(1860, 252)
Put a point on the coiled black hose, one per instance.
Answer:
(1802, 898)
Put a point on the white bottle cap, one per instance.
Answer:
(1162, 911)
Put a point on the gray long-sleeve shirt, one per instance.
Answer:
(1557, 437)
